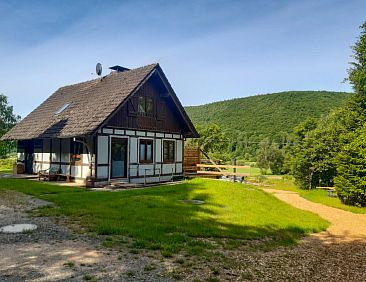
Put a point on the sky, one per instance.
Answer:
(210, 50)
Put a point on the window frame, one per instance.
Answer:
(141, 105)
(149, 105)
(145, 142)
(62, 108)
(146, 105)
(171, 159)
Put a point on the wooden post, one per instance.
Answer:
(234, 170)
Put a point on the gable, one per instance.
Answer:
(163, 116)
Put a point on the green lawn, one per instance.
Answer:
(6, 165)
(156, 218)
(252, 171)
(315, 195)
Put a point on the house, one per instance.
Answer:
(126, 126)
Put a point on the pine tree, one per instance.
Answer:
(350, 181)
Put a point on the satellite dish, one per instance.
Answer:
(98, 69)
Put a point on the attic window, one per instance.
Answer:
(146, 105)
(64, 107)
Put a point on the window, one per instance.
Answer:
(149, 106)
(64, 107)
(142, 105)
(169, 151)
(146, 151)
(146, 105)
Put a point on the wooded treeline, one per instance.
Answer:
(247, 121)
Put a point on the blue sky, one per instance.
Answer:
(209, 50)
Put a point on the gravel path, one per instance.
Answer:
(345, 226)
(337, 254)
(54, 253)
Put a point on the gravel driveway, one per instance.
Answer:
(345, 226)
(54, 253)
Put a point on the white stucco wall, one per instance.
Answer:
(102, 172)
(158, 150)
(133, 150)
(179, 150)
(102, 150)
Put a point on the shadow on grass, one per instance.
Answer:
(156, 218)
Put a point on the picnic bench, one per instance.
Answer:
(50, 174)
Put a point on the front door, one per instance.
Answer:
(119, 158)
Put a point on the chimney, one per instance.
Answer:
(119, 69)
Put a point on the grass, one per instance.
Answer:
(89, 277)
(6, 165)
(252, 170)
(155, 218)
(28, 231)
(315, 195)
(69, 264)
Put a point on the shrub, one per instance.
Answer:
(7, 164)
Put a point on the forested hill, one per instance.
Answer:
(251, 119)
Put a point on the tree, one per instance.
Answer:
(212, 140)
(270, 156)
(357, 71)
(317, 143)
(350, 181)
(7, 120)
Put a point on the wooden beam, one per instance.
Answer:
(211, 161)
(223, 166)
(221, 173)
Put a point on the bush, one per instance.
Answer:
(7, 164)
(260, 178)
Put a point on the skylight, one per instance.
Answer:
(64, 107)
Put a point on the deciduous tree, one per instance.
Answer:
(7, 120)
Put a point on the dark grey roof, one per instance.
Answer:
(90, 104)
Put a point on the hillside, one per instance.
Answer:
(251, 119)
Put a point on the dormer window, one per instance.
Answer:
(146, 105)
(64, 107)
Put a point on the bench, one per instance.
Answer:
(51, 174)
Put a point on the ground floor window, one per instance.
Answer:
(146, 151)
(168, 151)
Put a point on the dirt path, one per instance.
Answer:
(345, 226)
(52, 252)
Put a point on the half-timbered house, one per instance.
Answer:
(126, 126)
